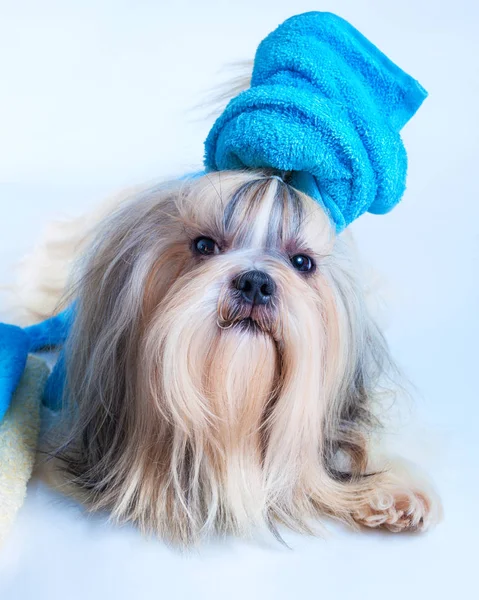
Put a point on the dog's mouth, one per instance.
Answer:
(248, 324)
(245, 324)
(240, 316)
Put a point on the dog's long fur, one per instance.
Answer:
(189, 414)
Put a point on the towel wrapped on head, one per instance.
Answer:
(326, 106)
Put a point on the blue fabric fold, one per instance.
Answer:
(50, 333)
(326, 106)
(15, 345)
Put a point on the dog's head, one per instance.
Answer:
(220, 360)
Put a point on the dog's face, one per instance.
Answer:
(242, 255)
(218, 359)
(236, 290)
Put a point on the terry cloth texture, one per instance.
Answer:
(326, 106)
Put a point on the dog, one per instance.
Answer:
(223, 368)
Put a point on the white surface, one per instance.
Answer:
(95, 95)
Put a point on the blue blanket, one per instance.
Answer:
(326, 106)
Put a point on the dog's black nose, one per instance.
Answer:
(256, 287)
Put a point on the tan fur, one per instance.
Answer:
(188, 424)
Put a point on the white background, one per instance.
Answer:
(96, 95)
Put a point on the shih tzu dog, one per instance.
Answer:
(222, 367)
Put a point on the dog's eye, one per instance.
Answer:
(206, 246)
(301, 262)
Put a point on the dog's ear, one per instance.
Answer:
(346, 448)
(354, 416)
(359, 368)
(101, 353)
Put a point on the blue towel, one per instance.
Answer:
(50, 333)
(16, 343)
(326, 106)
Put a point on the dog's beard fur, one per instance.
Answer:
(192, 413)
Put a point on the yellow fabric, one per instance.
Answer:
(18, 441)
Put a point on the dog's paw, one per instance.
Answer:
(400, 510)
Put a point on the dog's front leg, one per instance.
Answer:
(394, 498)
